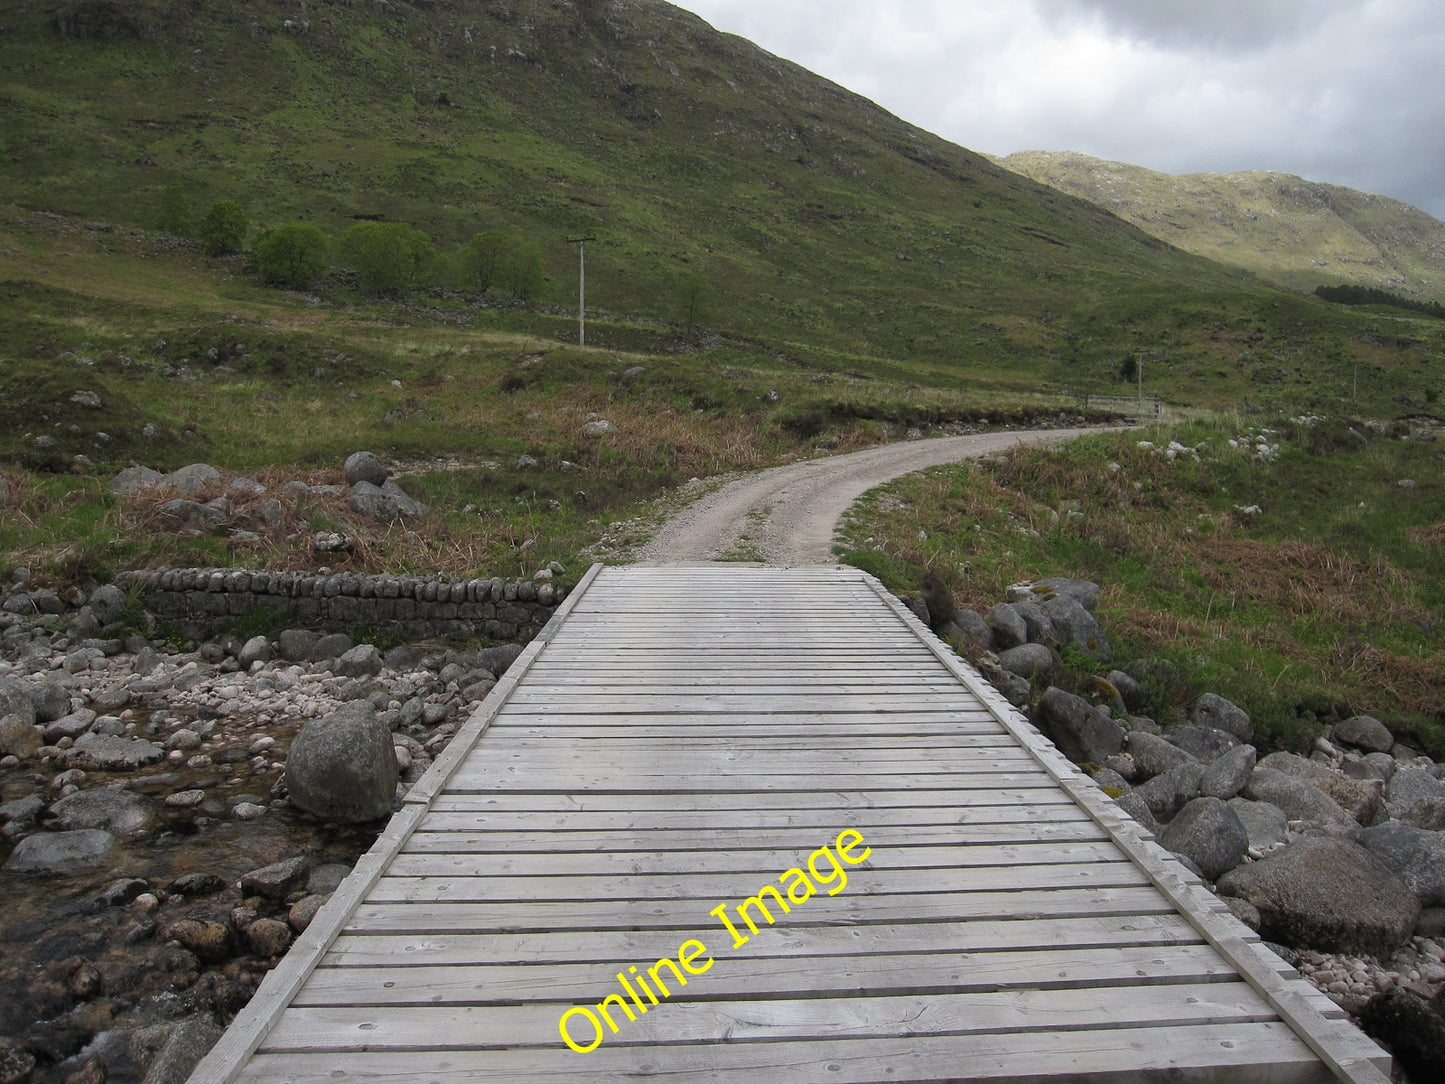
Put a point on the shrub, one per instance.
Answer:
(175, 213)
(386, 255)
(224, 227)
(482, 258)
(292, 255)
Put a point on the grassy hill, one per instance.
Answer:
(1287, 230)
(831, 232)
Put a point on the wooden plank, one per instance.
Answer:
(1017, 1011)
(782, 943)
(1267, 1053)
(718, 826)
(747, 976)
(849, 908)
(842, 802)
(798, 841)
(644, 784)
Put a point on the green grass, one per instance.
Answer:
(1326, 603)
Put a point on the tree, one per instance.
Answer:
(694, 297)
(524, 268)
(292, 255)
(175, 213)
(385, 255)
(482, 258)
(224, 227)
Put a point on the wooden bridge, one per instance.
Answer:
(676, 740)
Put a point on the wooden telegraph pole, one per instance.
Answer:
(581, 243)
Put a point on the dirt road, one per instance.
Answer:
(787, 515)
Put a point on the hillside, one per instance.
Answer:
(832, 236)
(1287, 230)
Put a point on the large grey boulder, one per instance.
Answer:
(1300, 799)
(1417, 797)
(134, 479)
(1027, 660)
(386, 502)
(1225, 776)
(195, 479)
(1218, 713)
(50, 699)
(1210, 834)
(1007, 626)
(1360, 798)
(1075, 627)
(19, 738)
(363, 660)
(1153, 755)
(1265, 824)
(15, 700)
(342, 767)
(1167, 794)
(1327, 894)
(364, 467)
(61, 853)
(498, 657)
(1082, 732)
(100, 752)
(108, 603)
(1084, 592)
(1204, 743)
(1415, 854)
(1364, 732)
(115, 809)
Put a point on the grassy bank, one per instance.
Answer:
(1294, 567)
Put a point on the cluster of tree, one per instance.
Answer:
(386, 256)
(1368, 295)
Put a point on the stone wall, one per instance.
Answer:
(200, 601)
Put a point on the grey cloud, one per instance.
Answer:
(1204, 24)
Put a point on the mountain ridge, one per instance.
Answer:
(1291, 231)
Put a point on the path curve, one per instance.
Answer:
(787, 515)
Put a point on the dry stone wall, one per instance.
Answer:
(200, 601)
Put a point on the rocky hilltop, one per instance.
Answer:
(1288, 230)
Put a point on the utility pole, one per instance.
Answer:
(581, 243)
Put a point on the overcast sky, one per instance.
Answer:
(1342, 91)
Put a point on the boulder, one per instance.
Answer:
(1075, 627)
(181, 514)
(134, 479)
(1416, 855)
(1219, 714)
(364, 467)
(15, 700)
(1153, 755)
(192, 480)
(1167, 794)
(99, 752)
(1128, 688)
(115, 809)
(496, 659)
(1082, 732)
(1416, 797)
(1361, 798)
(211, 940)
(278, 880)
(331, 646)
(1327, 894)
(364, 660)
(1085, 593)
(386, 502)
(1207, 832)
(342, 768)
(296, 645)
(1027, 660)
(108, 602)
(1040, 628)
(1007, 626)
(1204, 743)
(50, 699)
(973, 625)
(1363, 732)
(1265, 824)
(1412, 1031)
(1225, 776)
(18, 737)
(1300, 799)
(61, 853)
(269, 937)
(189, 1041)
(256, 649)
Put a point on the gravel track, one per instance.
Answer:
(787, 515)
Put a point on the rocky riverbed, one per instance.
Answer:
(153, 869)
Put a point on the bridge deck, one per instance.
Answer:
(679, 739)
